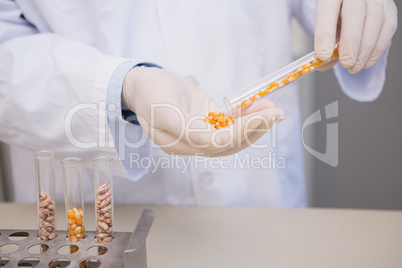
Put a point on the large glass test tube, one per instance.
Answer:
(74, 200)
(45, 183)
(103, 183)
(277, 80)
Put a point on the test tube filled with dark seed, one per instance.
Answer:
(45, 182)
(103, 184)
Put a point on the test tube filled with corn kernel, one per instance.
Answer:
(74, 200)
(46, 191)
(103, 184)
(277, 80)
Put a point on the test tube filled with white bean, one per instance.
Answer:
(45, 182)
(74, 201)
(103, 183)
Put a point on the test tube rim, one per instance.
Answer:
(104, 159)
(75, 161)
(44, 155)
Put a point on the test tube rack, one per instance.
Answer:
(127, 249)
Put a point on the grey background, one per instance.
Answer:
(369, 174)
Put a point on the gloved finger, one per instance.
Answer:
(198, 132)
(250, 140)
(371, 32)
(388, 30)
(197, 136)
(327, 14)
(187, 116)
(257, 106)
(209, 140)
(169, 117)
(328, 66)
(213, 143)
(168, 142)
(232, 137)
(170, 145)
(351, 31)
(202, 104)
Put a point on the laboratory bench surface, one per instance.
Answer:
(208, 237)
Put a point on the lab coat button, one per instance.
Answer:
(206, 179)
(192, 79)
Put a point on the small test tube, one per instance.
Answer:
(103, 184)
(45, 183)
(74, 200)
(279, 79)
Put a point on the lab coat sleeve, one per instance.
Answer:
(53, 91)
(366, 85)
(130, 141)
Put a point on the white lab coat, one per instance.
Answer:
(68, 51)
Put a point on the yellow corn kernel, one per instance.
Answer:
(73, 238)
(80, 236)
(77, 230)
(70, 214)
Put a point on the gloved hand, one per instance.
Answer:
(171, 110)
(364, 29)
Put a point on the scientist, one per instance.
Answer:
(69, 70)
